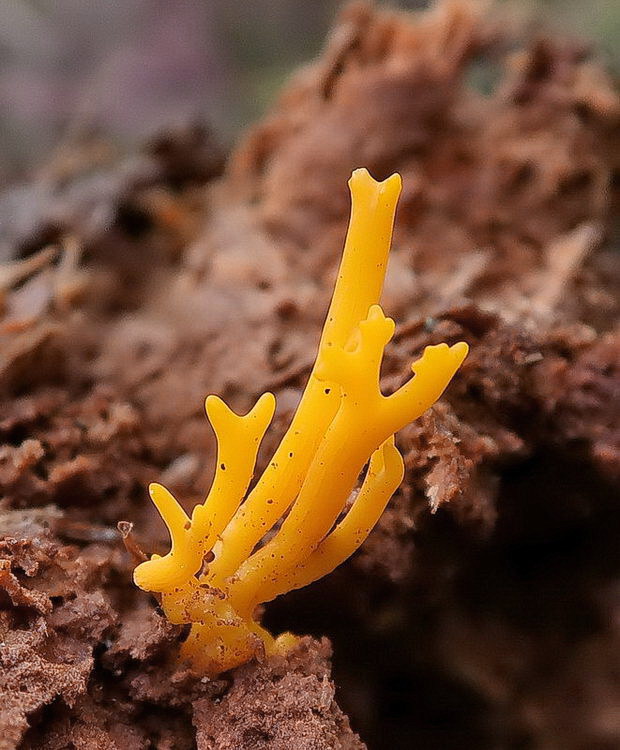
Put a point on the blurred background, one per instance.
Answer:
(127, 68)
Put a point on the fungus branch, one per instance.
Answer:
(217, 572)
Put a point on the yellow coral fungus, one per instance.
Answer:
(218, 569)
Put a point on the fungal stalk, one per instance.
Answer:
(220, 568)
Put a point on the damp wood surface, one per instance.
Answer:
(482, 612)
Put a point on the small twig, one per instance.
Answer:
(69, 280)
(126, 531)
(19, 270)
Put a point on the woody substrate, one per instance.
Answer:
(483, 611)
